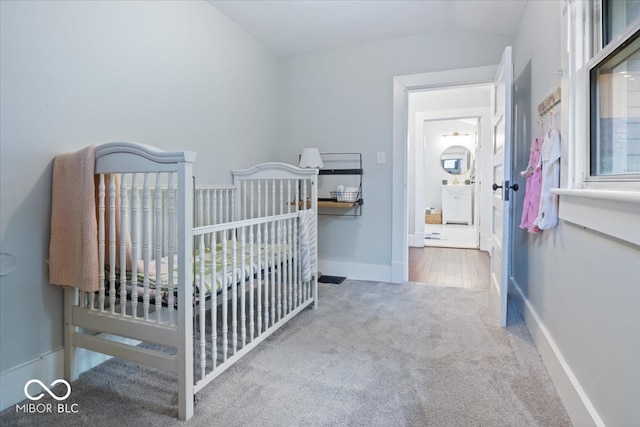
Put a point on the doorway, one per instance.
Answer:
(500, 78)
(403, 215)
(448, 143)
(452, 214)
(447, 140)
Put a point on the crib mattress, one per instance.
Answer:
(224, 277)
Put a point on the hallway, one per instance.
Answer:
(462, 268)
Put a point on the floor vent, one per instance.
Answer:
(336, 280)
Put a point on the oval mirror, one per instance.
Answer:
(456, 160)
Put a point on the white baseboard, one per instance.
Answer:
(573, 396)
(356, 271)
(485, 242)
(399, 272)
(47, 368)
(417, 240)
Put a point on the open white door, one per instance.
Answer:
(501, 160)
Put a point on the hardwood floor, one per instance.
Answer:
(464, 268)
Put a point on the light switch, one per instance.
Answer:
(381, 158)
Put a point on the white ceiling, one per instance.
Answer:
(290, 27)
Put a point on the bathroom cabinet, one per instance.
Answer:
(457, 204)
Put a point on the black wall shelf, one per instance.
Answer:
(333, 205)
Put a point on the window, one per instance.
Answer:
(617, 16)
(614, 82)
(601, 98)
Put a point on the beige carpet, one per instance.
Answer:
(373, 354)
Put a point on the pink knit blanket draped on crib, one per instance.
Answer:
(73, 243)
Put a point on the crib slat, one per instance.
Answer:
(233, 204)
(214, 209)
(208, 196)
(273, 271)
(296, 288)
(146, 249)
(251, 197)
(288, 254)
(251, 285)
(259, 204)
(273, 198)
(243, 199)
(280, 196)
(171, 217)
(259, 277)
(112, 244)
(234, 291)
(305, 294)
(281, 291)
(243, 279)
(123, 245)
(214, 302)
(201, 297)
(279, 267)
(101, 242)
(266, 277)
(200, 206)
(225, 212)
(225, 320)
(157, 237)
(135, 229)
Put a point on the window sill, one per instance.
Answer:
(614, 213)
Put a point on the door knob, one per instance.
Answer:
(514, 187)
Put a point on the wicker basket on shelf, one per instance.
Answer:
(345, 196)
(433, 218)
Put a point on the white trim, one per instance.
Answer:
(48, 368)
(416, 240)
(613, 195)
(400, 208)
(356, 271)
(613, 213)
(573, 396)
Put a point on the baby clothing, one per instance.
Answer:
(533, 185)
(550, 165)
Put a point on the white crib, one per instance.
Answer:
(242, 256)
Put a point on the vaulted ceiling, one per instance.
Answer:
(291, 27)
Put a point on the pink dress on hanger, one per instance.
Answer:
(533, 187)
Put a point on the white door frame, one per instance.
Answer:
(400, 206)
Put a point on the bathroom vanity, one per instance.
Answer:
(457, 204)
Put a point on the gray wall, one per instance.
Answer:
(177, 75)
(583, 285)
(341, 100)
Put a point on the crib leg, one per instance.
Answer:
(70, 370)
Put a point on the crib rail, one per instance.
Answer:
(258, 284)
